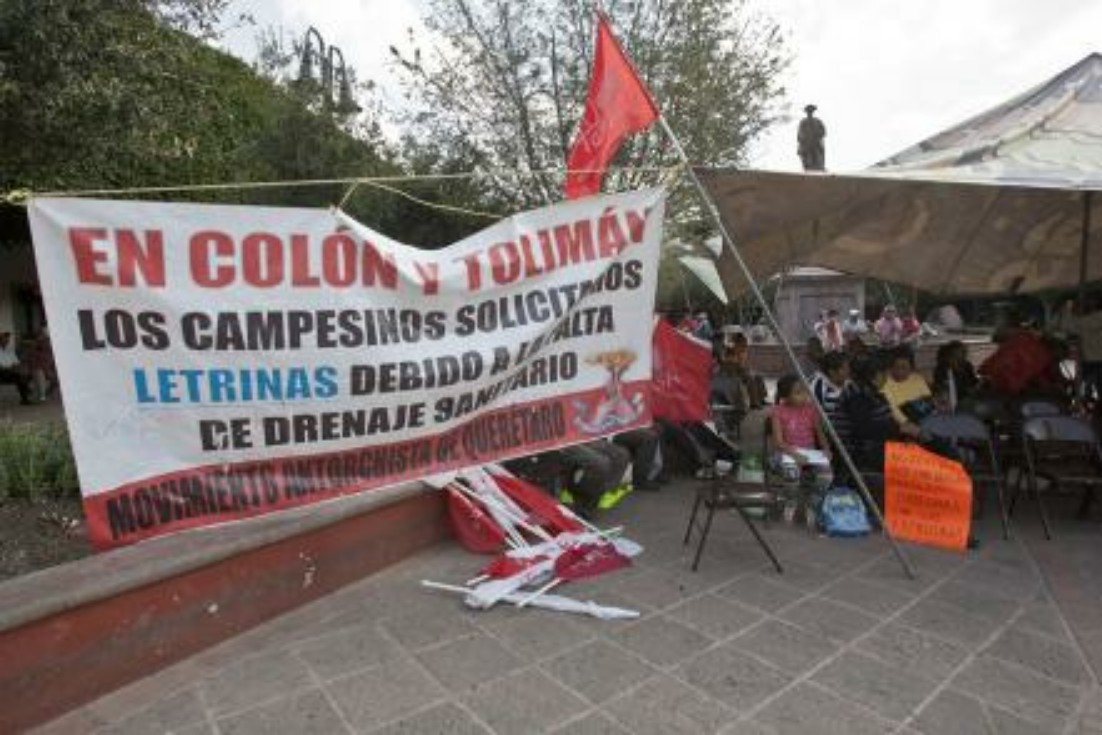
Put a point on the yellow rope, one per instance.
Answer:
(20, 196)
(423, 202)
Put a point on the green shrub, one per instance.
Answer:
(36, 462)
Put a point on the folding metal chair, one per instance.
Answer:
(727, 494)
(1065, 451)
(966, 432)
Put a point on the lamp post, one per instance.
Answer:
(332, 69)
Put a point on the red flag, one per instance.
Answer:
(589, 560)
(618, 104)
(506, 566)
(681, 375)
(475, 529)
(545, 510)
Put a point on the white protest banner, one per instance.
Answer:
(219, 362)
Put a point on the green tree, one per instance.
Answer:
(502, 84)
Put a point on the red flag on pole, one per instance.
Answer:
(681, 370)
(618, 104)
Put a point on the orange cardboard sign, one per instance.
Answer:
(928, 498)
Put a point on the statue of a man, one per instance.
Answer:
(810, 141)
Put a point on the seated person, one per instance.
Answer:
(870, 420)
(813, 354)
(12, 371)
(954, 376)
(828, 386)
(796, 435)
(1024, 364)
(644, 445)
(869, 415)
(907, 392)
(697, 444)
(587, 471)
(739, 358)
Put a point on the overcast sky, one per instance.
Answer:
(884, 73)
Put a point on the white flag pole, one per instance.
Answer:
(772, 320)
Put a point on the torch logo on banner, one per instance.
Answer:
(614, 409)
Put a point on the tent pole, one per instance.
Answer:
(1084, 246)
(775, 326)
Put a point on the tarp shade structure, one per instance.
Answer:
(1002, 203)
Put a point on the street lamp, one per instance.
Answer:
(331, 62)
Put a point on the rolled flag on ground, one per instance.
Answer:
(543, 510)
(506, 566)
(589, 560)
(476, 530)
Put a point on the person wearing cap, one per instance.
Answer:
(809, 139)
(854, 326)
(10, 369)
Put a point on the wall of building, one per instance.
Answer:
(801, 299)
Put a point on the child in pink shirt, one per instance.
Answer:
(795, 428)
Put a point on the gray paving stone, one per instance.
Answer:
(138, 695)
(468, 662)
(871, 597)
(596, 723)
(171, 713)
(199, 728)
(1041, 616)
(953, 713)
(1022, 692)
(1090, 715)
(1039, 653)
(906, 648)
(888, 571)
(747, 727)
(807, 575)
(75, 722)
(976, 600)
(657, 588)
(444, 718)
(267, 676)
(1010, 582)
(598, 670)
(949, 622)
(808, 709)
(785, 646)
(373, 697)
(829, 619)
(889, 690)
(715, 616)
(733, 677)
(761, 592)
(534, 634)
(1091, 643)
(355, 648)
(666, 706)
(307, 713)
(428, 624)
(525, 702)
(662, 641)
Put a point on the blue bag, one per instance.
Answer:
(843, 514)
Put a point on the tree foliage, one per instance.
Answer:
(502, 84)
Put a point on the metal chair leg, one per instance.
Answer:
(692, 520)
(761, 541)
(704, 534)
(999, 479)
(1003, 515)
(1040, 504)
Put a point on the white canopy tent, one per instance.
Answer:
(1002, 203)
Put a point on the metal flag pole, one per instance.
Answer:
(775, 326)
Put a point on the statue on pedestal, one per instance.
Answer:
(809, 138)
